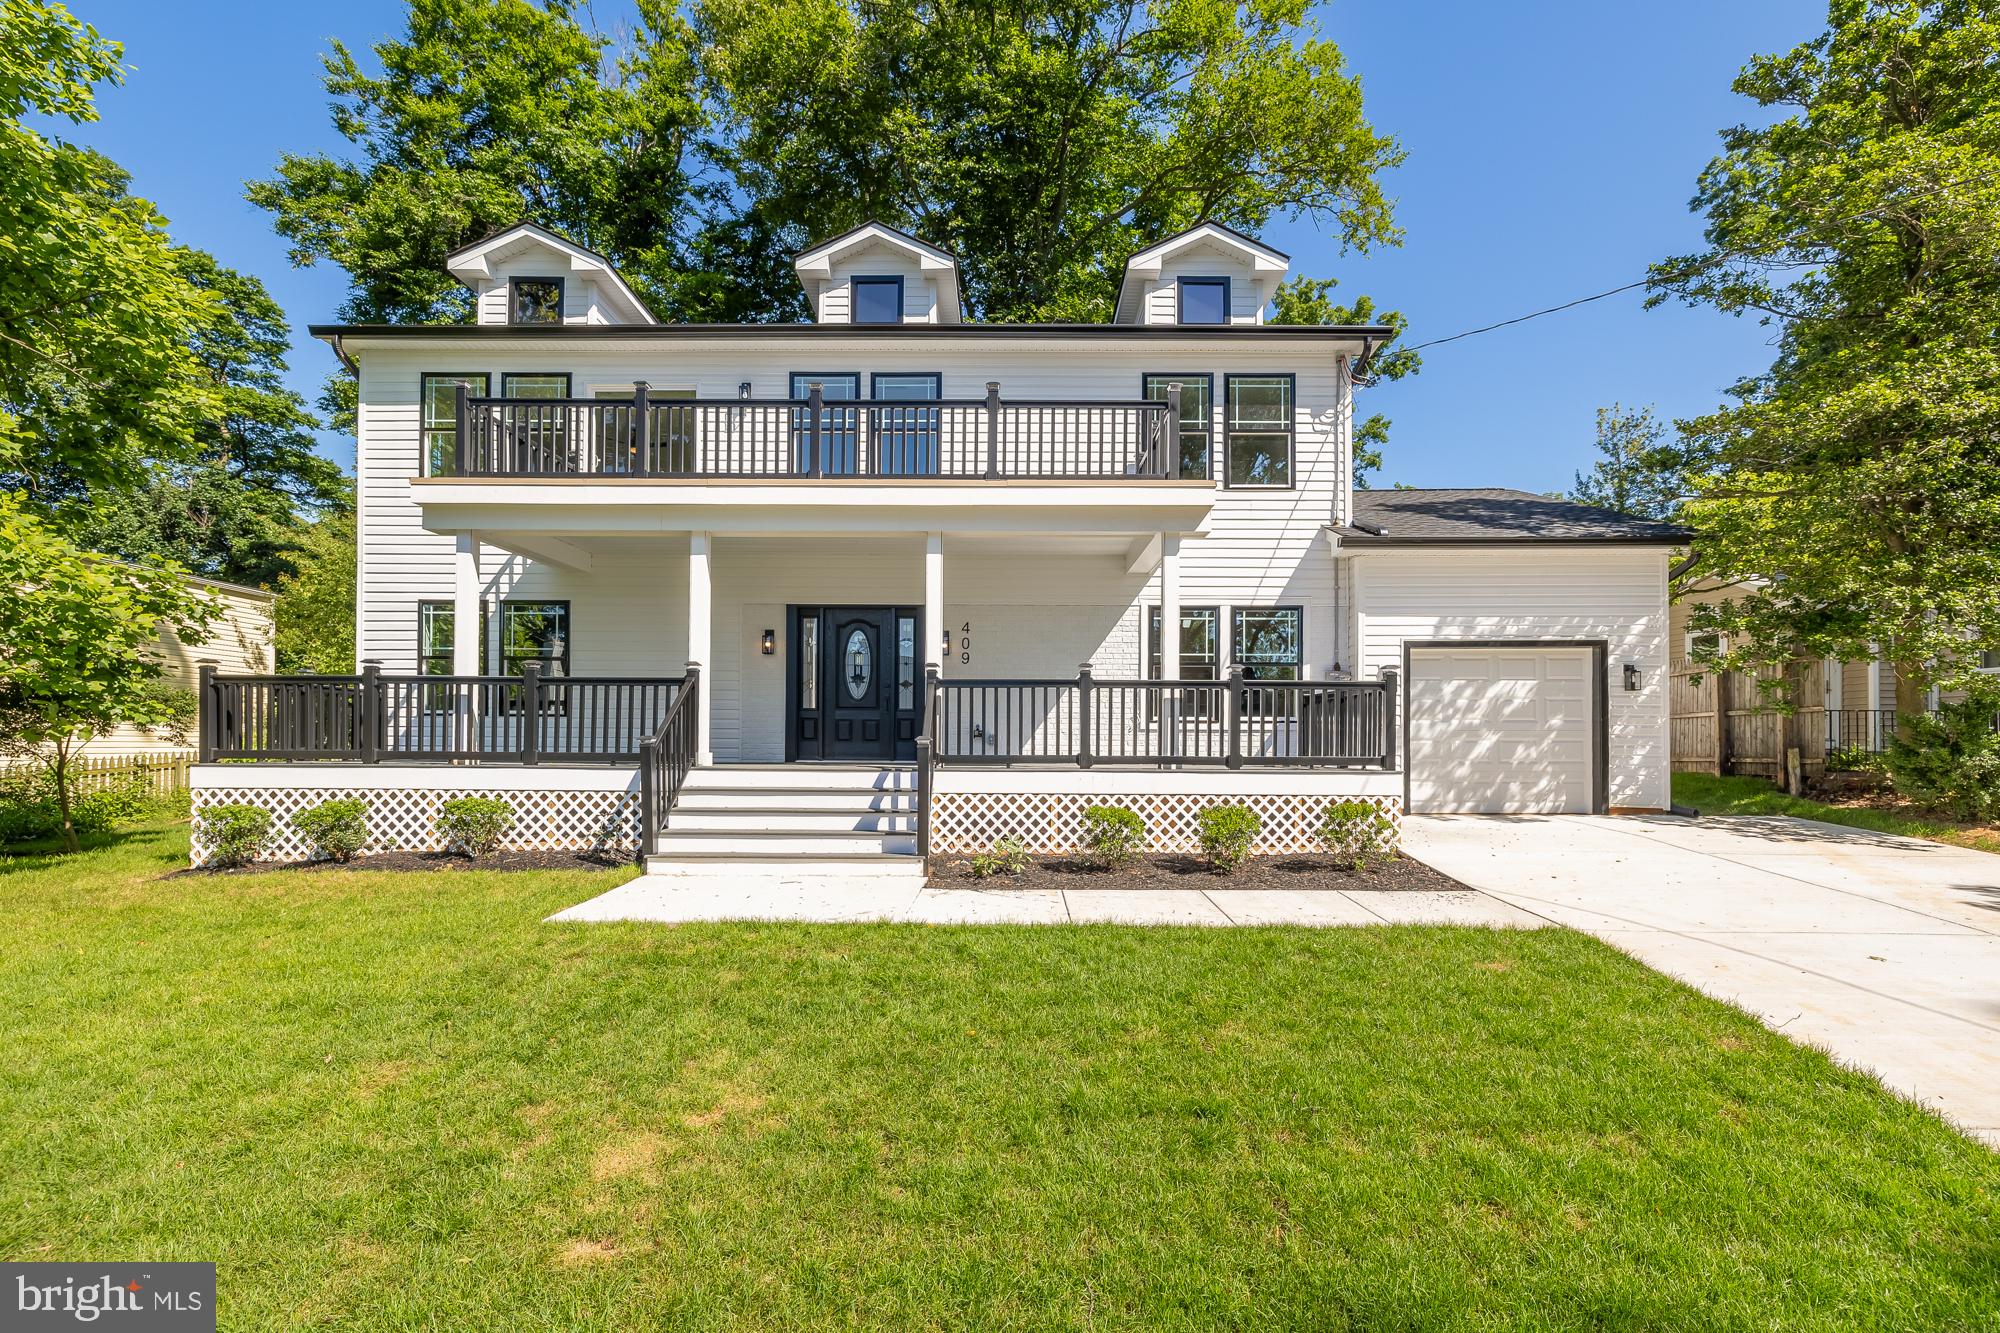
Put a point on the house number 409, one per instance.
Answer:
(965, 643)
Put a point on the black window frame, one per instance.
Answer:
(839, 438)
(449, 656)
(935, 377)
(514, 307)
(1290, 430)
(507, 378)
(1207, 378)
(854, 285)
(1154, 617)
(1180, 299)
(1235, 648)
(480, 384)
(569, 634)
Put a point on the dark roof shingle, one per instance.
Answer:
(1493, 515)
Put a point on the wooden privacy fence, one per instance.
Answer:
(162, 774)
(1731, 722)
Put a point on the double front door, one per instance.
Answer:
(856, 682)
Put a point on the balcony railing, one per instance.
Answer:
(814, 438)
(372, 718)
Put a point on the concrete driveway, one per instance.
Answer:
(1883, 951)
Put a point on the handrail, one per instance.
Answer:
(1235, 722)
(926, 762)
(666, 758)
(815, 437)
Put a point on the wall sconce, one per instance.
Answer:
(1631, 675)
(947, 646)
(743, 391)
(769, 643)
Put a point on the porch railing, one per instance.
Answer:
(1232, 723)
(373, 717)
(814, 437)
(666, 758)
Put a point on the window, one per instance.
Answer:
(878, 300)
(1266, 643)
(537, 385)
(534, 632)
(535, 301)
(1204, 301)
(440, 401)
(672, 432)
(1197, 418)
(1200, 642)
(1989, 659)
(1258, 445)
(905, 442)
(838, 426)
(434, 638)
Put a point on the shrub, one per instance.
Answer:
(1226, 834)
(1354, 832)
(1113, 835)
(337, 829)
(235, 834)
(1950, 759)
(29, 808)
(1008, 856)
(473, 825)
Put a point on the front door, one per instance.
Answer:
(854, 682)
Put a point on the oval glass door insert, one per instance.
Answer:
(860, 664)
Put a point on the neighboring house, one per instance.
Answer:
(238, 641)
(920, 567)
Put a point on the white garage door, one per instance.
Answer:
(1501, 730)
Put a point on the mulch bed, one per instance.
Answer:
(1170, 871)
(444, 861)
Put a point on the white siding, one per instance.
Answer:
(920, 294)
(1570, 593)
(582, 302)
(1162, 297)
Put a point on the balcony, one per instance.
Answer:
(647, 439)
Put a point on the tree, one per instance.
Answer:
(1310, 301)
(1042, 146)
(76, 637)
(1635, 469)
(1859, 476)
(239, 508)
(95, 374)
(315, 607)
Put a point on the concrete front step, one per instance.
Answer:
(847, 801)
(796, 777)
(675, 841)
(710, 865)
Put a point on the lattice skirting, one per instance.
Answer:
(965, 822)
(403, 819)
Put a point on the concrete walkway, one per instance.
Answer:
(903, 898)
(1883, 951)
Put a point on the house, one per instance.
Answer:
(892, 581)
(239, 640)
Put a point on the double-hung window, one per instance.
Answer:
(1266, 642)
(534, 632)
(904, 439)
(1197, 419)
(878, 300)
(1259, 428)
(440, 419)
(1201, 642)
(839, 427)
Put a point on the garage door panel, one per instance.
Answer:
(1502, 730)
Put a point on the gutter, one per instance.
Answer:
(1248, 334)
(332, 339)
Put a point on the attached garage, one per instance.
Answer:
(1506, 728)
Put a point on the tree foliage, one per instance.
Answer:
(1860, 474)
(314, 613)
(77, 634)
(1043, 144)
(1305, 300)
(95, 372)
(1637, 468)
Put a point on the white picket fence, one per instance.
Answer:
(164, 773)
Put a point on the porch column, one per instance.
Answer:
(1875, 697)
(699, 639)
(1170, 642)
(465, 644)
(934, 626)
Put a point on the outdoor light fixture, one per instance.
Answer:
(770, 643)
(1631, 675)
(947, 642)
(743, 391)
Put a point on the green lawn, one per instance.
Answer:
(403, 1102)
(1754, 796)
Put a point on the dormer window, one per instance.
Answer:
(878, 300)
(535, 301)
(1204, 301)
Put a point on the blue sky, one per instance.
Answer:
(1552, 150)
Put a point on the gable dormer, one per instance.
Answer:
(1206, 275)
(527, 274)
(878, 275)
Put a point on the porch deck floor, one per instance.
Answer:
(766, 896)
